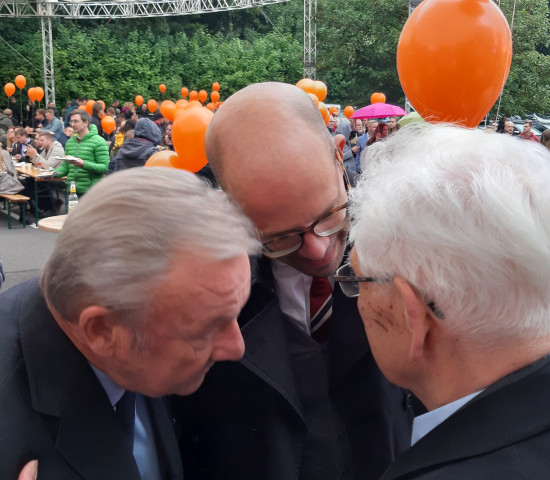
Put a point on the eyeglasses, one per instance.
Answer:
(349, 283)
(333, 222)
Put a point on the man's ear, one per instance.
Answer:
(417, 316)
(340, 141)
(98, 330)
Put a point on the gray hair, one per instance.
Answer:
(465, 218)
(120, 240)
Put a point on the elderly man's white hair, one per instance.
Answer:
(119, 243)
(465, 218)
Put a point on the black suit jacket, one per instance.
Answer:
(246, 420)
(503, 433)
(53, 407)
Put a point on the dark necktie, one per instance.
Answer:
(320, 308)
(126, 413)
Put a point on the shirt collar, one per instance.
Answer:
(424, 424)
(112, 389)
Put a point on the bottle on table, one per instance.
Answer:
(73, 197)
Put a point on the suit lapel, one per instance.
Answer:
(508, 411)
(63, 386)
(267, 352)
(348, 340)
(165, 439)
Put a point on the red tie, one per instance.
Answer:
(320, 308)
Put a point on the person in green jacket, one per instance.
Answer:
(91, 153)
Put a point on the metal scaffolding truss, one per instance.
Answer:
(310, 39)
(79, 9)
(122, 9)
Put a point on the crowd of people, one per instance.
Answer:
(298, 324)
(47, 136)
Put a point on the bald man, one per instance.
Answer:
(307, 401)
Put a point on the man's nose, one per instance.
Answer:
(314, 247)
(229, 343)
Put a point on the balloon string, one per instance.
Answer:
(511, 34)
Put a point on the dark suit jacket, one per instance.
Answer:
(246, 420)
(53, 408)
(503, 433)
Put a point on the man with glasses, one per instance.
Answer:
(451, 266)
(307, 401)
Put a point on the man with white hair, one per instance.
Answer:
(131, 306)
(451, 266)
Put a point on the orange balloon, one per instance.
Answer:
(314, 98)
(320, 90)
(138, 100)
(188, 132)
(203, 95)
(194, 103)
(108, 124)
(348, 111)
(216, 86)
(211, 106)
(475, 35)
(377, 98)
(181, 103)
(152, 105)
(9, 88)
(39, 93)
(162, 88)
(307, 85)
(82, 107)
(215, 96)
(184, 92)
(164, 158)
(31, 94)
(193, 95)
(323, 110)
(90, 106)
(168, 109)
(333, 110)
(20, 81)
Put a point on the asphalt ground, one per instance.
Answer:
(23, 251)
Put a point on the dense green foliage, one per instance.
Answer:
(356, 45)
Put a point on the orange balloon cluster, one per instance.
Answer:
(462, 90)
(9, 88)
(378, 98)
(317, 91)
(36, 94)
(315, 87)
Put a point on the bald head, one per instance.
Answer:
(258, 133)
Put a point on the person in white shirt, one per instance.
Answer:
(451, 267)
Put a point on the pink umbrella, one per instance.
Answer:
(379, 110)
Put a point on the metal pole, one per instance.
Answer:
(45, 11)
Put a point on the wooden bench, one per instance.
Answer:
(22, 200)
